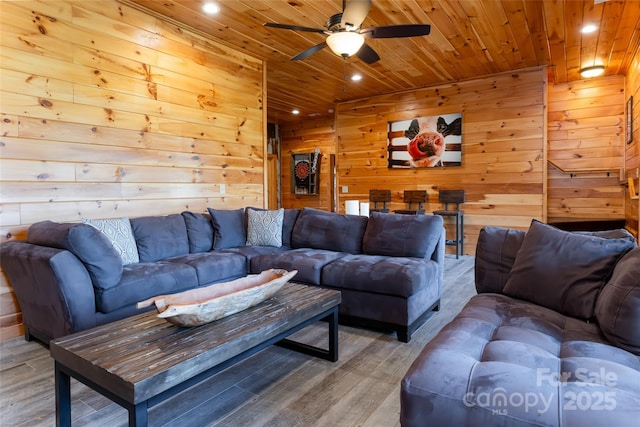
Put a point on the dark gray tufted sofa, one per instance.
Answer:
(514, 357)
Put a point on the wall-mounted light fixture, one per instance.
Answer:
(592, 71)
(345, 43)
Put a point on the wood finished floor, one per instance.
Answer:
(275, 387)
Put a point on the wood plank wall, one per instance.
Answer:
(503, 149)
(632, 150)
(586, 150)
(109, 112)
(305, 136)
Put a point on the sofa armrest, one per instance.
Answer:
(438, 257)
(495, 254)
(53, 289)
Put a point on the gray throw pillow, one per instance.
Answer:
(288, 222)
(495, 254)
(229, 228)
(160, 237)
(563, 271)
(618, 305)
(264, 227)
(87, 243)
(402, 235)
(199, 231)
(119, 233)
(330, 231)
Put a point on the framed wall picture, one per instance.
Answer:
(629, 120)
(425, 142)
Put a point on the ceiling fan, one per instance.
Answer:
(346, 37)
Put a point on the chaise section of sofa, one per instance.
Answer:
(509, 361)
(389, 268)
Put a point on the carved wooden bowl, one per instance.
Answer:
(203, 305)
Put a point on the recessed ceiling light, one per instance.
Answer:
(295, 112)
(593, 71)
(588, 28)
(356, 77)
(210, 8)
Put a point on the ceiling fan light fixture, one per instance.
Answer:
(345, 43)
(592, 71)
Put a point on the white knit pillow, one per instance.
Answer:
(119, 233)
(264, 228)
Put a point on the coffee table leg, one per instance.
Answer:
(63, 398)
(332, 353)
(138, 415)
(333, 336)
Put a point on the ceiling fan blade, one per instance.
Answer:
(355, 12)
(294, 27)
(306, 53)
(367, 54)
(393, 31)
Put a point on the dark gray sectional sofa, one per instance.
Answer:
(551, 339)
(69, 277)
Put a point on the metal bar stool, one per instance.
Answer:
(410, 197)
(380, 196)
(454, 197)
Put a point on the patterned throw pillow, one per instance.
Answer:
(264, 228)
(119, 233)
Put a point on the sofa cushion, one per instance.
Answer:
(289, 221)
(308, 262)
(250, 252)
(145, 280)
(264, 227)
(199, 231)
(87, 243)
(160, 237)
(328, 230)
(563, 271)
(215, 266)
(618, 305)
(495, 254)
(402, 235)
(119, 233)
(400, 276)
(229, 228)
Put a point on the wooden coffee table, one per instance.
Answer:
(142, 360)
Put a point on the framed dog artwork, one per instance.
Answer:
(434, 141)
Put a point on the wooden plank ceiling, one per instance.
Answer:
(469, 38)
